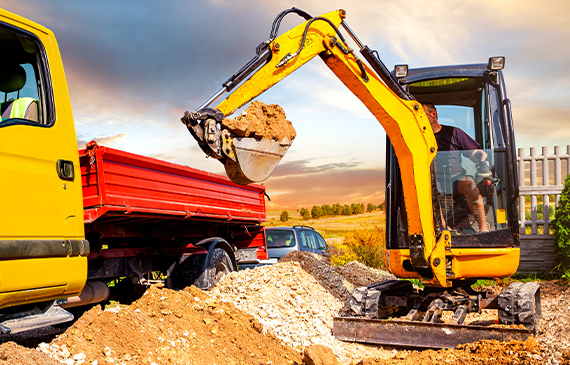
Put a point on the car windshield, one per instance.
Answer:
(280, 238)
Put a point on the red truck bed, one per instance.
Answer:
(120, 183)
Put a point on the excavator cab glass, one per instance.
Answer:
(473, 179)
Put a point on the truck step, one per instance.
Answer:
(53, 315)
(419, 335)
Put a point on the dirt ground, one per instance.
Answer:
(271, 315)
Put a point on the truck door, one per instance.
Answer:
(37, 185)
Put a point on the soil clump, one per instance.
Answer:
(263, 121)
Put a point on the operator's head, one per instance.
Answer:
(431, 112)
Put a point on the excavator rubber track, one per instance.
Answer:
(419, 323)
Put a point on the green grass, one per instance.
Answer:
(329, 226)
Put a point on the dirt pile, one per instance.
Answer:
(279, 314)
(264, 121)
(480, 353)
(296, 300)
(12, 353)
(168, 327)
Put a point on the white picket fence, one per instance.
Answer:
(540, 175)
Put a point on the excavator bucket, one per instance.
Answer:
(255, 159)
(250, 146)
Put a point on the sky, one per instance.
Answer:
(134, 67)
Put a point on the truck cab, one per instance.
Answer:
(43, 253)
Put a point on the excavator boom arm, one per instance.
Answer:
(403, 120)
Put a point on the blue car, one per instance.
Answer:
(282, 240)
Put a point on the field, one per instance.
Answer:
(329, 226)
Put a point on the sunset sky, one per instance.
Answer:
(134, 67)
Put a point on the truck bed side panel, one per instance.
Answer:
(117, 181)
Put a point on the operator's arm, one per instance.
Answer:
(477, 156)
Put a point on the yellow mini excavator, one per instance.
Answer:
(433, 233)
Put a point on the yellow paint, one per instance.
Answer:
(467, 263)
(501, 216)
(36, 203)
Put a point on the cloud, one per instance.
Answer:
(541, 125)
(107, 141)
(326, 187)
(302, 167)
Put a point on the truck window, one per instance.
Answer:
(22, 94)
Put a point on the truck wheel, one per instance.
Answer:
(184, 272)
(189, 271)
(219, 266)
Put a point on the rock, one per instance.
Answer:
(319, 355)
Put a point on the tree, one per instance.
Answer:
(316, 212)
(337, 209)
(284, 216)
(305, 214)
(357, 208)
(370, 207)
(327, 209)
(382, 206)
(346, 210)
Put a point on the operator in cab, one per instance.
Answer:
(457, 143)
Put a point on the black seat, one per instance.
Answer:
(12, 79)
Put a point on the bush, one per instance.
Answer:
(341, 254)
(561, 227)
(370, 207)
(284, 216)
(355, 208)
(316, 212)
(346, 210)
(305, 214)
(365, 246)
(337, 209)
(327, 209)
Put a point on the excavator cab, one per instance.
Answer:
(471, 98)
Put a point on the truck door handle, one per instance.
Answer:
(65, 170)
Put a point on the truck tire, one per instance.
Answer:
(218, 266)
(192, 270)
(185, 271)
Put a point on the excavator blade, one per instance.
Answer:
(518, 305)
(420, 334)
(255, 159)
